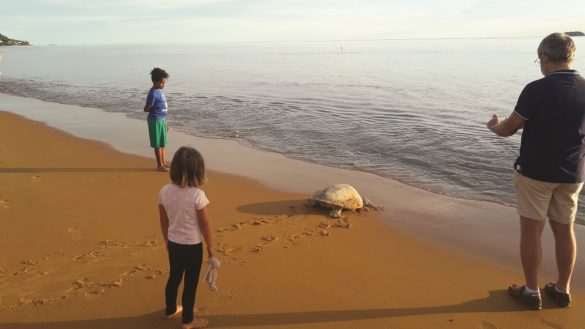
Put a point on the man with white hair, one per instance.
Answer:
(550, 170)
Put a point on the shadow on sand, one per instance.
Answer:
(497, 301)
(283, 207)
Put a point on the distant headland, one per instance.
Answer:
(575, 34)
(6, 41)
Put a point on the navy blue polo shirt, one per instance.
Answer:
(552, 148)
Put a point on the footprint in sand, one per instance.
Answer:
(488, 325)
(4, 204)
(117, 283)
(295, 239)
(258, 221)
(152, 243)
(551, 323)
(24, 300)
(84, 287)
(75, 232)
(28, 266)
(267, 240)
(270, 238)
(225, 250)
(35, 177)
(343, 223)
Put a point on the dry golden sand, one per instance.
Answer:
(80, 247)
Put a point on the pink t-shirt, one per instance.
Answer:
(181, 205)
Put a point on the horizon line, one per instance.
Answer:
(282, 42)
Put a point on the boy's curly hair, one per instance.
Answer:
(157, 74)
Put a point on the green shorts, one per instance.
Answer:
(157, 130)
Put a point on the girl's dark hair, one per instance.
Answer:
(157, 74)
(188, 168)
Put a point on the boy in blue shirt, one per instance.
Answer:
(156, 106)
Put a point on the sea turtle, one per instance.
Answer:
(339, 197)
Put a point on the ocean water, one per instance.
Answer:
(413, 110)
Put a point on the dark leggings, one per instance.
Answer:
(183, 259)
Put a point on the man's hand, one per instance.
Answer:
(506, 127)
(493, 122)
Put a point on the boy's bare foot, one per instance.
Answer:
(177, 312)
(196, 324)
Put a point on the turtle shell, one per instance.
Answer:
(341, 195)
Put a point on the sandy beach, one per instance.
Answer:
(81, 248)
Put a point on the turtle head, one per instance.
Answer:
(370, 205)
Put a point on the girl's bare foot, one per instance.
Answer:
(196, 324)
(162, 169)
(177, 312)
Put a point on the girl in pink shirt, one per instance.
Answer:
(184, 225)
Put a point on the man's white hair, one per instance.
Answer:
(558, 47)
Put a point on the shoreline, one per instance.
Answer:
(77, 264)
(472, 226)
(441, 190)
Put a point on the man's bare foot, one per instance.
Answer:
(196, 324)
(177, 312)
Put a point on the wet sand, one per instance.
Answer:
(81, 248)
(485, 229)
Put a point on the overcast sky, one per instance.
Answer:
(194, 21)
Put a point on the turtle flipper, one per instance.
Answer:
(336, 212)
